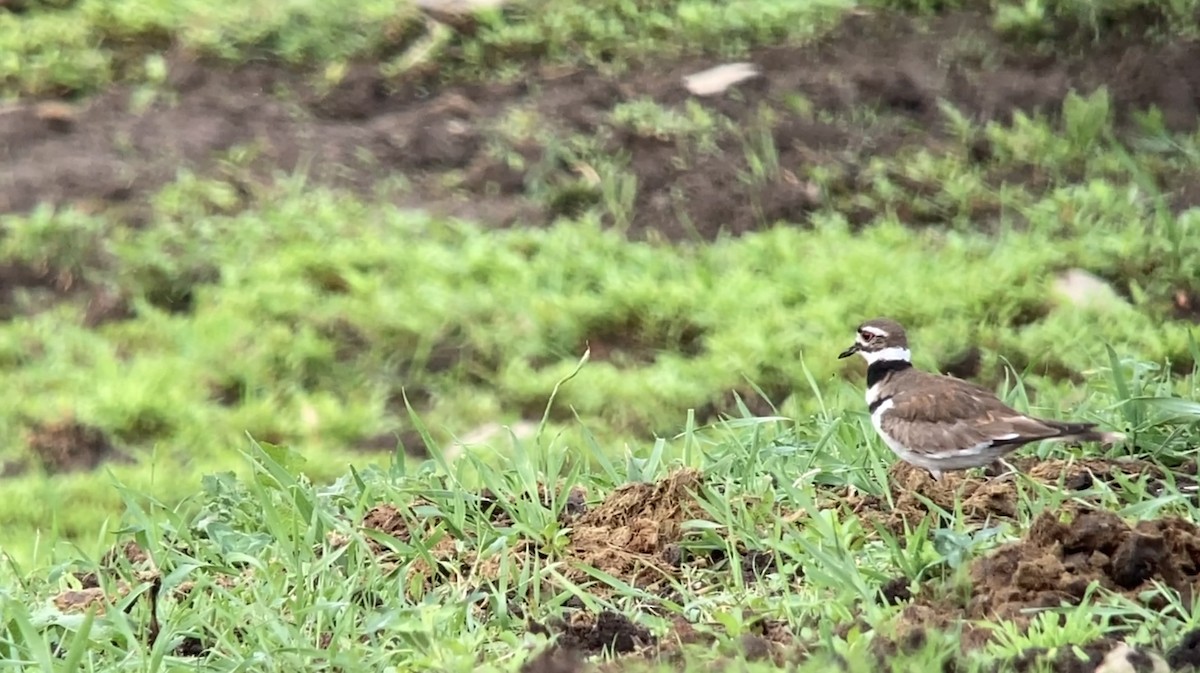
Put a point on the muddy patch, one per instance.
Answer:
(608, 632)
(1056, 563)
(610, 641)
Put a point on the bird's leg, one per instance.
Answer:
(936, 474)
(1010, 473)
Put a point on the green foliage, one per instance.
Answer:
(1037, 19)
(647, 118)
(305, 318)
(82, 47)
(57, 48)
(273, 572)
(316, 322)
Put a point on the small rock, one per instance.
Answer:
(717, 80)
(1086, 290)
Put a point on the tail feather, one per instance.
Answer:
(1083, 432)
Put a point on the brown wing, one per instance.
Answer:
(954, 414)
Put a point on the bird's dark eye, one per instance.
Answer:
(867, 336)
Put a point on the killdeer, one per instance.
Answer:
(941, 423)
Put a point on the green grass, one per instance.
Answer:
(276, 551)
(313, 313)
(274, 332)
(87, 44)
(79, 46)
(1060, 20)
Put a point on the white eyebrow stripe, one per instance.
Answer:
(889, 354)
(873, 330)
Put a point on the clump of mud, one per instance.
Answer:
(606, 632)
(983, 497)
(1057, 564)
(631, 535)
(70, 446)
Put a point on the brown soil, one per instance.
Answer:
(631, 535)
(609, 632)
(983, 497)
(105, 153)
(1056, 564)
(70, 446)
(18, 278)
(1057, 561)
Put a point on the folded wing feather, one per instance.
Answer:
(959, 415)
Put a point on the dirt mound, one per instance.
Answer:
(70, 446)
(630, 536)
(608, 631)
(983, 497)
(1061, 564)
(1057, 562)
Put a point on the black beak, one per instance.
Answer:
(848, 352)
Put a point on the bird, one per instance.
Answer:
(941, 423)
